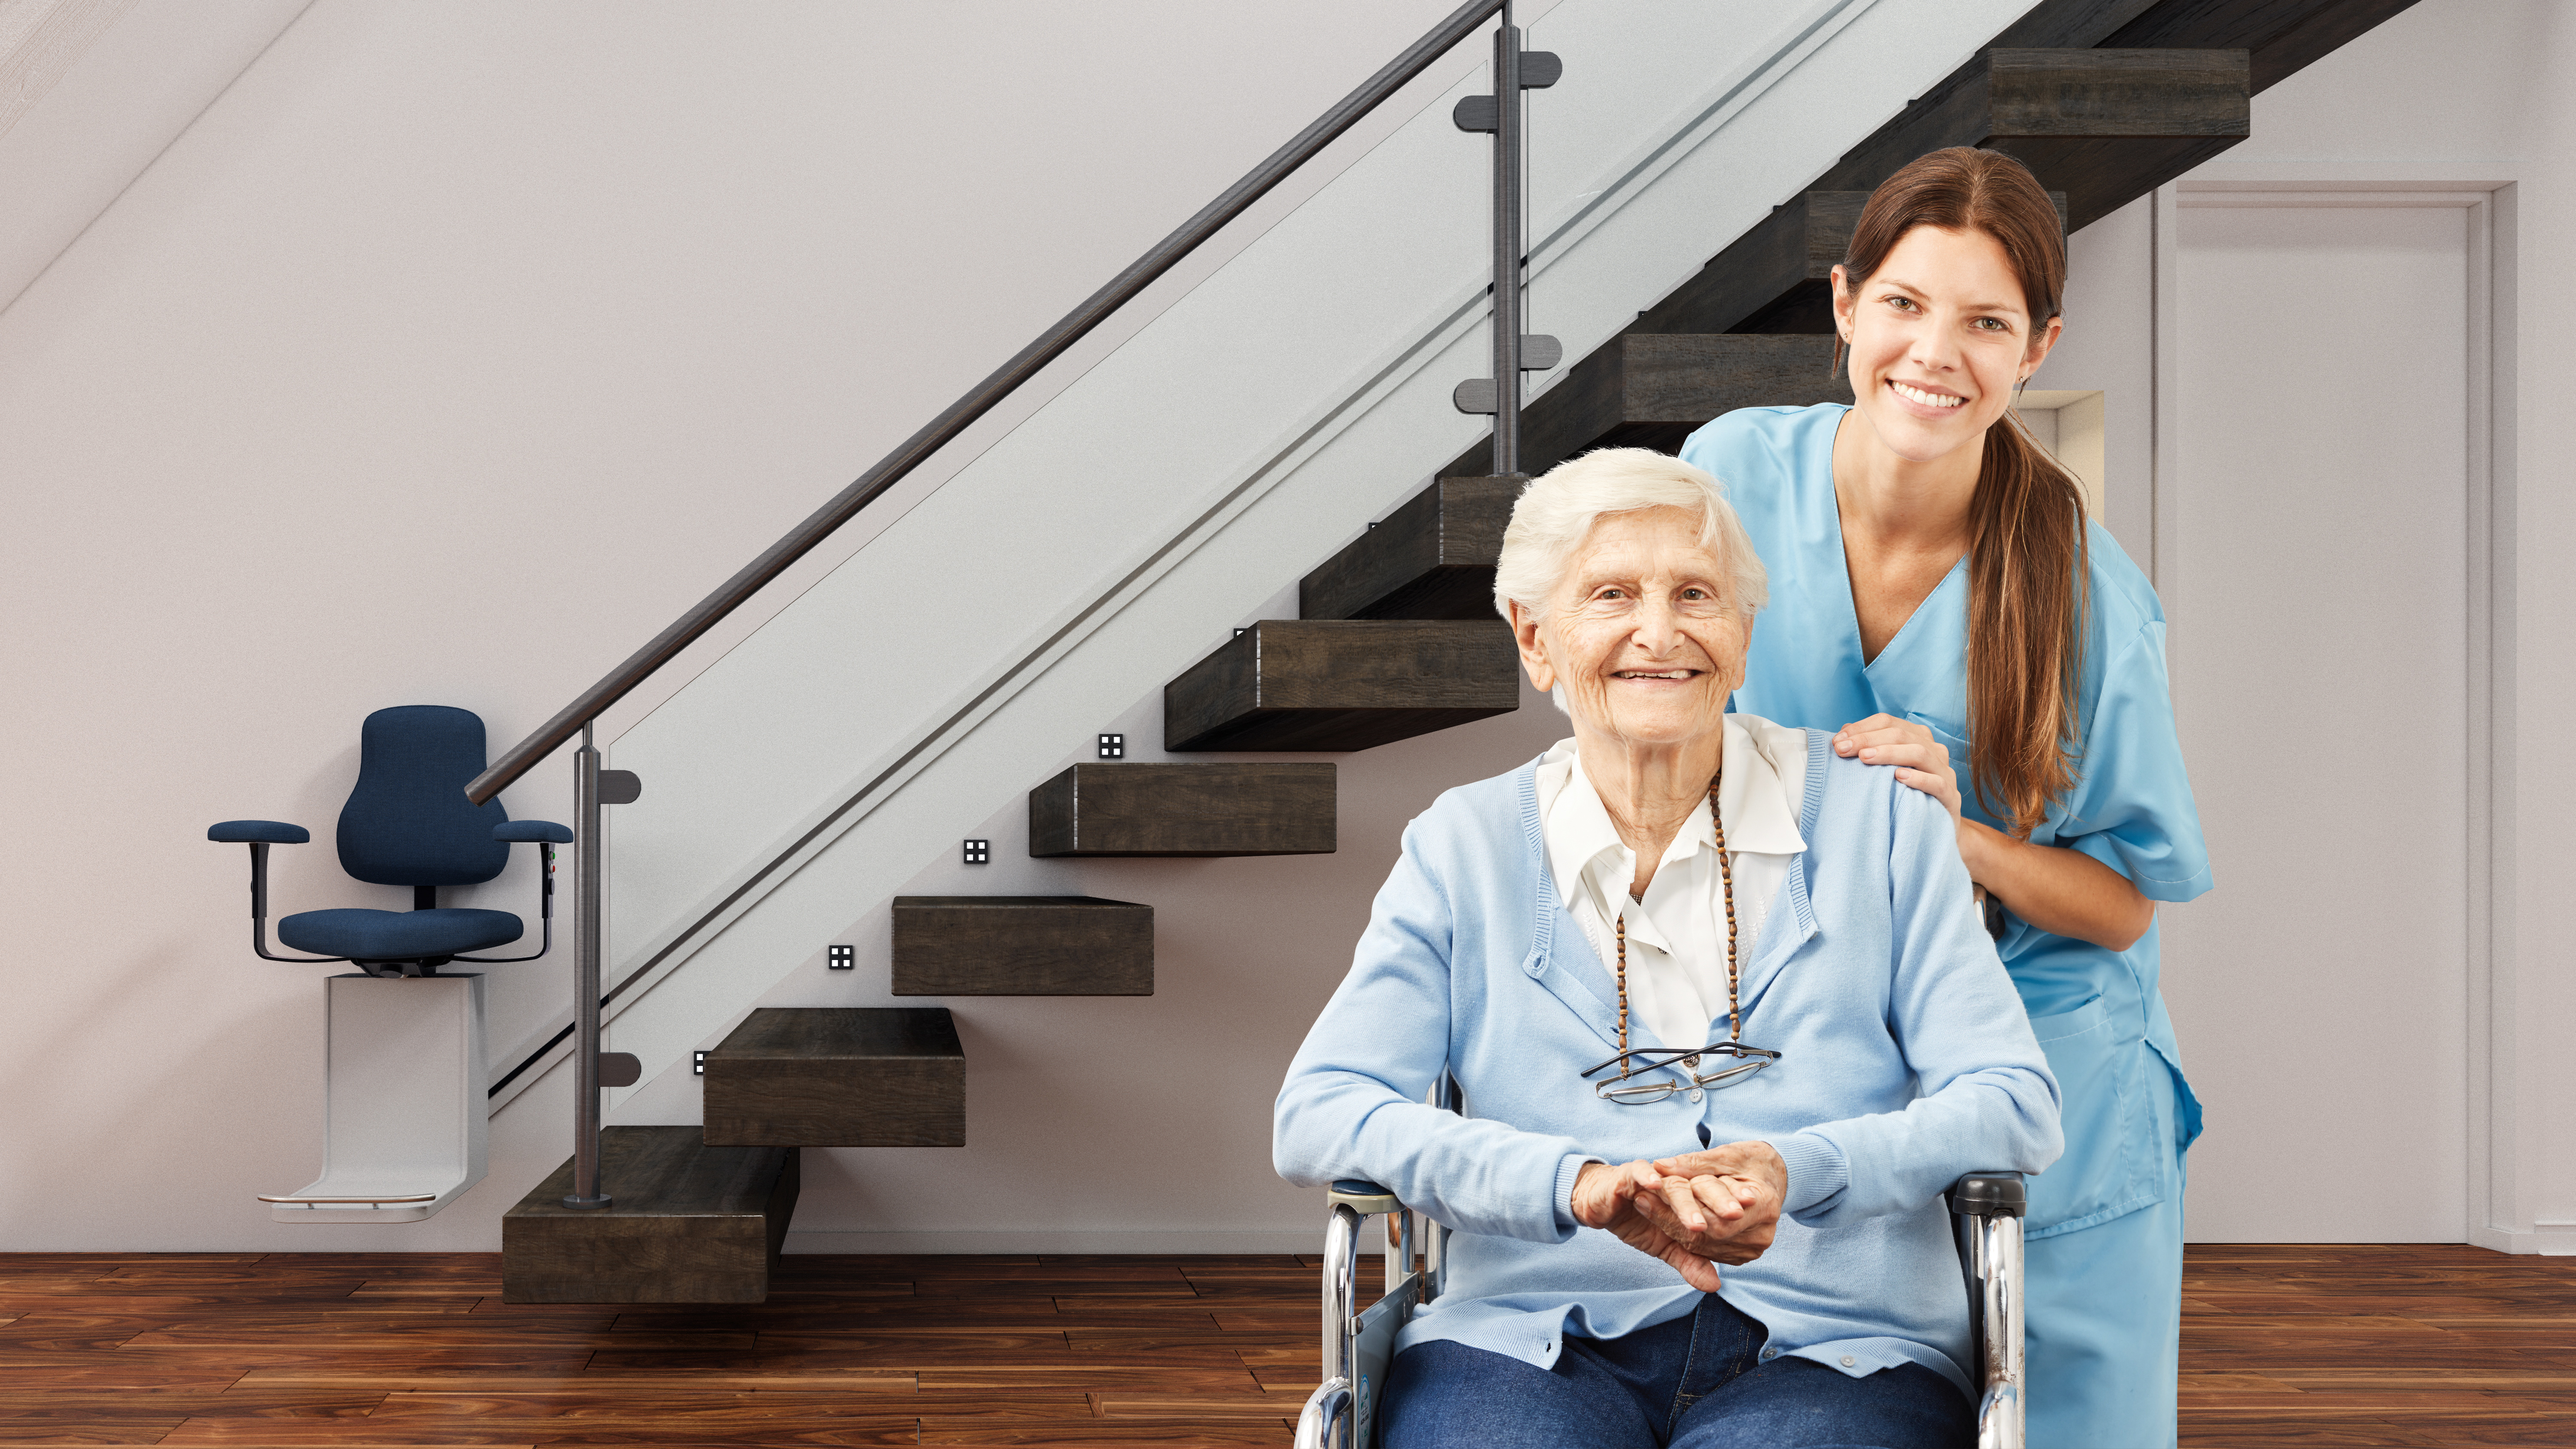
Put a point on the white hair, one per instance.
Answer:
(1557, 511)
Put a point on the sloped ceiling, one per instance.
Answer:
(92, 92)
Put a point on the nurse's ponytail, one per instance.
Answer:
(2028, 575)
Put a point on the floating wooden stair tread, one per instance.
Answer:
(1778, 277)
(1650, 390)
(690, 1223)
(2104, 126)
(2286, 35)
(1342, 684)
(1433, 558)
(1184, 809)
(886, 1076)
(1022, 946)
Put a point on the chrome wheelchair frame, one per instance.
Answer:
(1358, 1344)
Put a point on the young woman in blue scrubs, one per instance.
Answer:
(1939, 599)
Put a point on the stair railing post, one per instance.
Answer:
(1515, 352)
(591, 855)
(1507, 246)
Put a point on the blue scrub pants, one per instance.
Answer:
(1698, 1382)
(2102, 1330)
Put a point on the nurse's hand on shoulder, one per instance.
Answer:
(1920, 760)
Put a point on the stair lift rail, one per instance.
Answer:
(1359, 1344)
(578, 717)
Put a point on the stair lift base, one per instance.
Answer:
(406, 1126)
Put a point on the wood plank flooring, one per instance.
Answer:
(2410, 1344)
(2405, 1345)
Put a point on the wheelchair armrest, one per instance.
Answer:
(257, 832)
(1364, 1198)
(1989, 1195)
(1989, 1208)
(532, 832)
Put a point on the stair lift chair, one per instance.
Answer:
(408, 823)
(1986, 1209)
(404, 1076)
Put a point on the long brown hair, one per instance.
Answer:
(2028, 571)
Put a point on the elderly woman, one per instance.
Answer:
(1714, 996)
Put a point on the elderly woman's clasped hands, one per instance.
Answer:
(1721, 1205)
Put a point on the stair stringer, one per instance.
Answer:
(764, 821)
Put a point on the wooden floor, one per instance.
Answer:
(2410, 1345)
(2281, 1346)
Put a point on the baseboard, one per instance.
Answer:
(2554, 1240)
(1062, 1243)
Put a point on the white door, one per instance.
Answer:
(2314, 563)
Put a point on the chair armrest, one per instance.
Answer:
(532, 832)
(1989, 1195)
(1364, 1198)
(258, 832)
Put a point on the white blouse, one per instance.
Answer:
(1677, 934)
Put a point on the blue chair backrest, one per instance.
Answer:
(408, 823)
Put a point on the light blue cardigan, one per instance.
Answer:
(1907, 1062)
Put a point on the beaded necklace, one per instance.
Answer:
(1726, 876)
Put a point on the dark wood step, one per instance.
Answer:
(1778, 277)
(1022, 946)
(689, 1223)
(1649, 390)
(1342, 684)
(2284, 35)
(884, 1076)
(1184, 809)
(2105, 126)
(1773, 279)
(1432, 558)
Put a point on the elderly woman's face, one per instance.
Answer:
(1640, 631)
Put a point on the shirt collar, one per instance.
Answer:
(1753, 799)
(1761, 814)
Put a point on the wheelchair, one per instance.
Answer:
(1986, 1209)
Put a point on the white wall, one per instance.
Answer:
(448, 355)
(2451, 96)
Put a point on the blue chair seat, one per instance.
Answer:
(363, 935)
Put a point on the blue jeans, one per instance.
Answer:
(1694, 1383)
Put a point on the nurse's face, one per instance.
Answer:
(1939, 338)
(1640, 632)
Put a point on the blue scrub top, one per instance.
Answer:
(2097, 1012)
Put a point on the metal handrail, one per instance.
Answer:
(983, 398)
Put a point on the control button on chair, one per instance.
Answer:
(408, 823)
